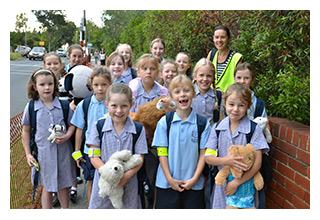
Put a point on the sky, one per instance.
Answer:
(74, 15)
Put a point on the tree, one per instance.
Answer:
(56, 26)
(21, 25)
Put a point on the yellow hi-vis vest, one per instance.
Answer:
(227, 77)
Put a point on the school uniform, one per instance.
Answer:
(226, 139)
(141, 96)
(57, 167)
(127, 76)
(203, 104)
(111, 143)
(183, 152)
(96, 110)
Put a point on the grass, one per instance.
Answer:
(15, 56)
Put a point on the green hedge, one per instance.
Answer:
(276, 43)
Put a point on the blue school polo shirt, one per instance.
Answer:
(183, 152)
(96, 110)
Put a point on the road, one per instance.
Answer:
(20, 72)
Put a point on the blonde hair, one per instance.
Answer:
(157, 40)
(119, 88)
(181, 79)
(130, 62)
(145, 58)
(242, 91)
(100, 71)
(205, 62)
(168, 62)
(113, 56)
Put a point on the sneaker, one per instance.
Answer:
(79, 180)
(55, 199)
(73, 195)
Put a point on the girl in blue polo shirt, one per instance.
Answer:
(179, 180)
(99, 80)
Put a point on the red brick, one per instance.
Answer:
(295, 189)
(286, 171)
(288, 148)
(276, 130)
(298, 166)
(275, 141)
(279, 155)
(308, 146)
(302, 181)
(289, 134)
(299, 203)
(303, 156)
(287, 205)
(275, 197)
(307, 197)
(283, 129)
(282, 191)
(308, 172)
(270, 204)
(278, 177)
(303, 141)
(296, 138)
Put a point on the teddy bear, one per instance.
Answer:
(56, 131)
(112, 172)
(263, 122)
(150, 113)
(244, 196)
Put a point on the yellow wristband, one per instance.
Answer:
(162, 151)
(94, 152)
(76, 155)
(211, 152)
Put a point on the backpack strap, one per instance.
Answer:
(136, 135)
(259, 108)
(216, 112)
(133, 73)
(248, 136)
(169, 118)
(85, 107)
(100, 124)
(33, 123)
(213, 53)
(65, 110)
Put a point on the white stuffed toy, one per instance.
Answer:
(263, 122)
(112, 172)
(56, 131)
(76, 82)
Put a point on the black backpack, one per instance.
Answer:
(33, 127)
(142, 173)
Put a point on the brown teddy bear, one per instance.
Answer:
(244, 196)
(149, 114)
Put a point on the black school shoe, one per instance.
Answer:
(55, 199)
(73, 195)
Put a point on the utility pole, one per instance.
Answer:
(83, 31)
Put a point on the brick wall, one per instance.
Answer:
(290, 187)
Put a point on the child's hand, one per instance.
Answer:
(188, 184)
(80, 160)
(231, 188)
(176, 184)
(123, 180)
(61, 139)
(29, 158)
(235, 163)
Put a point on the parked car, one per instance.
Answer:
(37, 53)
(61, 52)
(23, 50)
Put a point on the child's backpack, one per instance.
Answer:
(33, 127)
(142, 173)
(259, 108)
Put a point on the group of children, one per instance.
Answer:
(118, 90)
